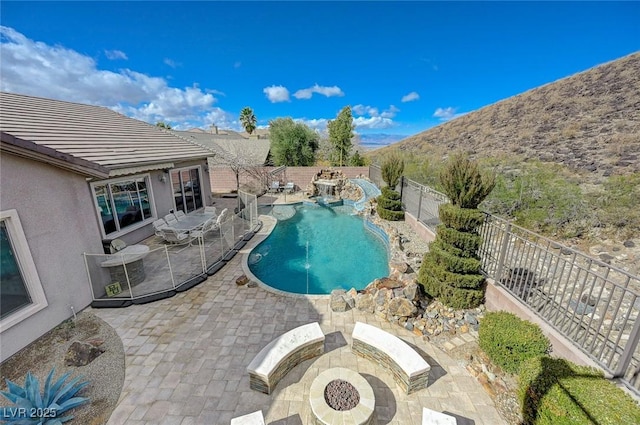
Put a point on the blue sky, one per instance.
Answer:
(403, 67)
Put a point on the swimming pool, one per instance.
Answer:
(315, 249)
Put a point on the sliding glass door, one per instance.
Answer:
(187, 190)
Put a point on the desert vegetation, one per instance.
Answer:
(566, 154)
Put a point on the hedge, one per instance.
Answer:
(509, 340)
(558, 392)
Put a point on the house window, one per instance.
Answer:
(187, 191)
(123, 203)
(21, 293)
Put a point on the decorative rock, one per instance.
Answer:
(386, 283)
(410, 291)
(242, 280)
(402, 307)
(339, 300)
(470, 318)
(365, 302)
(399, 266)
(628, 244)
(252, 284)
(81, 354)
(408, 326)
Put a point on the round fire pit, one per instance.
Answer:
(340, 395)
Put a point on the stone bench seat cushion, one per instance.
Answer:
(284, 353)
(431, 417)
(127, 255)
(399, 351)
(254, 418)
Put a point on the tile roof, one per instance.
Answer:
(92, 133)
(226, 146)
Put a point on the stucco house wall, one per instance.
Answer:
(58, 218)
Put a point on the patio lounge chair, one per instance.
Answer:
(177, 237)
(208, 226)
(210, 210)
(158, 225)
(179, 215)
(275, 187)
(170, 219)
(289, 187)
(220, 219)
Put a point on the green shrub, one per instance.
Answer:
(453, 263)
(392, 169)
(454, 297)
(558, 392)
(430, 268)
(389, 204)
(389, 215)
(389, 193)
(509, 340)
(464, 183)
(466, 243)
(461, 219)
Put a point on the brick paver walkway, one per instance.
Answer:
(186, 360)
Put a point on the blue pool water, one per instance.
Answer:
(341, 252)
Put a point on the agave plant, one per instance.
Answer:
(47, 409)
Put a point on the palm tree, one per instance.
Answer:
(248, 119)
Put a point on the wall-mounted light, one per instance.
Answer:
(162, 178)
(206, 169)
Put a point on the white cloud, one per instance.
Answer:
(446, 114)
(373, 122)
(115, 54)
(365, 110)
(38, 69)
(323, 90)
(319, 124)
(276, 94)
(410, 97)
(390, 113)
(171, 63)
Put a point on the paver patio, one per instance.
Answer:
(186, 359)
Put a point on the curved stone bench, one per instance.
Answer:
(410, 370)
(283, 354)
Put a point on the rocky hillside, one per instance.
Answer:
(588, 122)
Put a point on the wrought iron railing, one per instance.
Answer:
(593, 304)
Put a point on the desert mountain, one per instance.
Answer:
(589, 122)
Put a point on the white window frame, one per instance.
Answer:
(27, 269)
(128, 229)
(200, 177)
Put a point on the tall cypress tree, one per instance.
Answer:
(340, 135)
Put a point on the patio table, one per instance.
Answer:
(192, 222)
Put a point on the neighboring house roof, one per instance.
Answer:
(94, 134)
(229, 148)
